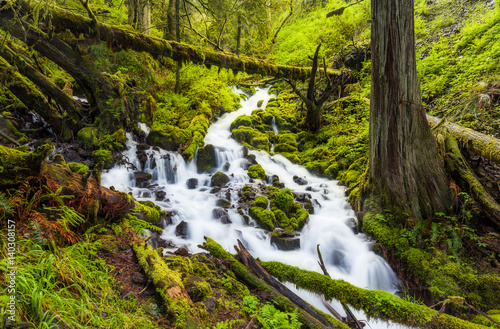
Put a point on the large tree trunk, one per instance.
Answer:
(405, 166)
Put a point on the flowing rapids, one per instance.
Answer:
(347, 256)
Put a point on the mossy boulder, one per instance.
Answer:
(105, 156)
(260, 201)
(264, 218)
(168, 138)
(257, 172)
(206, 161)
(283, 200)
(78, 168)
(242, 120)
(9, 129)
(219, 179)
(285, 240)
(259, 103)
(89, 137)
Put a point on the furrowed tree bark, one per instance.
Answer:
(97, 89)
(73, 111)
(475, 142)
(31, 97)
(119, 39)
(405, 166)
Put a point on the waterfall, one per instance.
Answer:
(347, 255)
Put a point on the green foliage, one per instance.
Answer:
(139, 225)
(68, 286)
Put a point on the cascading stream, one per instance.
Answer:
(347, 256)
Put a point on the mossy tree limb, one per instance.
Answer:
(473, 141)
(487, 202)
(12, 54)
(97, 89)
(29, 95)
(377, 304)
(119, 39)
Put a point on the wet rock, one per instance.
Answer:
(245, 164)
(182, 251)
(251, 158)
(84, 153)
(228, 196)
(219, 179)
(210, 304)
(223, 203)
(163, 140)
(192, 183)
(160, 195)
(277, 183)
(299, 180)
(226, 166)
(146, 194)
(142, 147)
(225, 219)
(72, 156)
(215, 190)
(218, 213)
(142, 177)
(285, 240)
(181, 230)
(352, 224)
(206, 160)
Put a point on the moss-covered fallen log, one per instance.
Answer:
(318, 320)
(72, 110)
(169, 285)
(376, 304)
(120, 38)
(475, 188)
(31, 97)
(97, 89)
(16, 165)
(473, 141)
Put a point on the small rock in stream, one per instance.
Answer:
(192, 183)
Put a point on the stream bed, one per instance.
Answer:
(347, 255)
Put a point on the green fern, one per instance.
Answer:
(140, 225)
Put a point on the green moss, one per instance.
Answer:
(264, 218)
(283, 200)
(78, 168)
(105, 156)
(89, 137)
(147, 212)
(242, 121)
(259, 103)
(377, 304)
(260, 201)
(219, 179)
(252, 137)
(257, 172)
(239, 269)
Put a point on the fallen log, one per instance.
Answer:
(473, 141)
(14, 56)
(250, 262)
(318, 320)
(376, 304)
(119, 38)
(476, 189)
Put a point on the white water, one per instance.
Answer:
(347, 256)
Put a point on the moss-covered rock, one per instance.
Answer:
(206, 160)
(252, 137)
(264, 218)
(257, 172)
(260, 201)
(168, 137)
(197, 288)
(219, 179)
(259, 103)
(89, 137)
(242, 120)
(105, 156)
(78, 168)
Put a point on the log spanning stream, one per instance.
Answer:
(347, 255)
